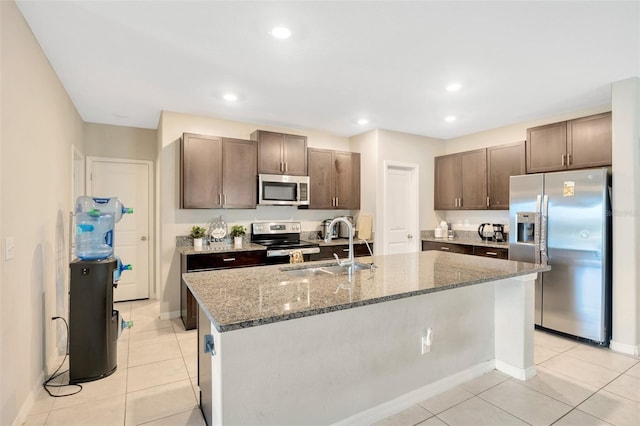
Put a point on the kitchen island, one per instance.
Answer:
(309, 347)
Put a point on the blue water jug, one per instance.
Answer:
(94, 235)
(111, 205)
(117, 273)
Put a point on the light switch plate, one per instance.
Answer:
(9, 248)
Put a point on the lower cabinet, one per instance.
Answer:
(206, 262)
(498, 253)
(342, 250)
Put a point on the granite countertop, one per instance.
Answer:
(468, 242)
(218, 248)
(249, 297)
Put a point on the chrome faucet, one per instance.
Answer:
(327, 238)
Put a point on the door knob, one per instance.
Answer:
(144, 238)
(409, 236)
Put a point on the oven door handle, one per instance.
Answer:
(287, 252)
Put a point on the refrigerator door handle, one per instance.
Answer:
(536, 231)
(544, 258)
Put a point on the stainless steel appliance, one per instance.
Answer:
(324, 229)
(564, 219)
(343, 230)
(498, 233)
(283, 190)
(485, 231)
(281, 240)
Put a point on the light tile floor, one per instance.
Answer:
(156, 384)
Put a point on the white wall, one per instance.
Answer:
(175, 221)
(39, 126)
(626, 223)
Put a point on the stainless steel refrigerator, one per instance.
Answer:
(563, 219)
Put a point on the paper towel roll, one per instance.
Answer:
(364, 226)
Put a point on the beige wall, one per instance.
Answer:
(131, 143)
(39, 126)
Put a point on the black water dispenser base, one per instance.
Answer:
(93, 323)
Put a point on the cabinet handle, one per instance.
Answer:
(286, 167)
(345, 249)
(337, 201)
(491, 253)
(459, 202)
(281, 168)
(562, 159)
(487, 201)
(220, 199)
(445, 248)
(229, 259)
(569, 159)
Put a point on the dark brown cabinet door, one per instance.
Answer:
(279, 153)
(503, 161)
(547, 148)
(589, 141)
(448, 247)
(321, 186)
(201, 183)
(498, 253)
(294, 155)
(239, 173)
(347, 180)
(473, 166)
(334, 178)
(448, 185)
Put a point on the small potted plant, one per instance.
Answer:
(197, 233)
(237, 232)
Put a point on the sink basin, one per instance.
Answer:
(331, 269)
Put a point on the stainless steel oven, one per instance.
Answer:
(281, 239)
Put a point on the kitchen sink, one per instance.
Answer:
(330, 269)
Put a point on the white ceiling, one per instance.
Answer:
(122, 62)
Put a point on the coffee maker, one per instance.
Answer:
(498, 233)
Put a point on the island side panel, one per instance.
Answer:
(514, 315)
(325, 368)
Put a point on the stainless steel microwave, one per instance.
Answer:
(283, 190)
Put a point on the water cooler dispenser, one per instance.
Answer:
(94, 326)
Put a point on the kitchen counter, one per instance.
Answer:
(468, 242)
(269, 294)
(218, 248)
(337, 349)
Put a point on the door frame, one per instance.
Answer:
(415, 209)
(151, 215)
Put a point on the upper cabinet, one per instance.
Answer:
(280, 153)
(218, 172)
(478, 179)
(503, 161)
(574, 144)
(461, 181)
(334, 179)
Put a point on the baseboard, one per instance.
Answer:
(169, 315)
(28, 403)
(516, 372)
(405, 401)
(624, 348)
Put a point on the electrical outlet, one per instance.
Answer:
(427, 340)
(9, 248)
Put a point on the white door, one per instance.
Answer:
(401, 234)
(130, 181)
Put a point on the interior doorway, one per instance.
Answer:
(132, 182)
(400, 223)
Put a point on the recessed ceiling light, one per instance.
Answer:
(450, 118)
(363, 121)
(454, 87)
(281, 33)
(231, 97)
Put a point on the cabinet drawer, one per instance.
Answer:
(448, 247)
(326, 252)
(205, 261)
(498, 253)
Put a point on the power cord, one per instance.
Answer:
(55, 374)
